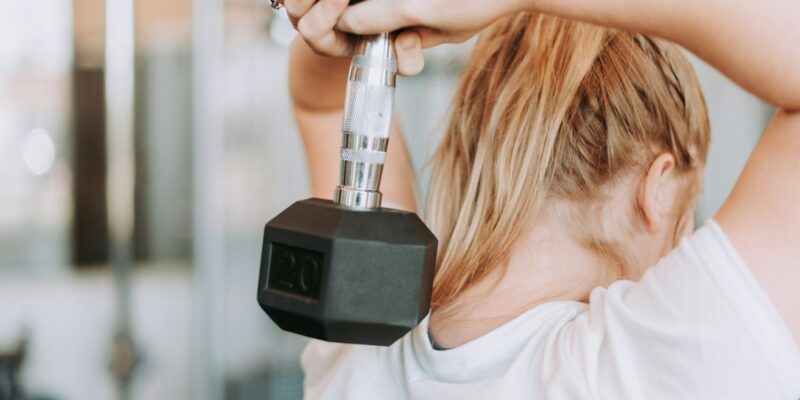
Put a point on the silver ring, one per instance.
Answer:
(275, 4)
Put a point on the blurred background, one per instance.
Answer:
(142, 148)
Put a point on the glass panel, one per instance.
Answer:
(35, 66)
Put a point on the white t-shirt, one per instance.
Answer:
(696, 326)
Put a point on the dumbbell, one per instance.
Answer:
(348, 270)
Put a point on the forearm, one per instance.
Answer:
(316, 83)
(754, 43)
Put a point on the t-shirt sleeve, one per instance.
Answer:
(696, 326)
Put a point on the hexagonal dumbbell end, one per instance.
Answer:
(346, 275)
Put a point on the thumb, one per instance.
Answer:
(410, 59)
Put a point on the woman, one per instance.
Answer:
(562, 196)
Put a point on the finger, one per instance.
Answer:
(321, 18)
(333, 44)
(316, 27)
(410, 60)
(297, 8)
(375, 16)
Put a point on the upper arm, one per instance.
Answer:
(695, 326)
(762, 216)
(321, 136)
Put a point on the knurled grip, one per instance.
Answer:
(367, 121)
(368, 109)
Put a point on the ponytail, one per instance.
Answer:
(531, 119)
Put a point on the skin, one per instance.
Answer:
(753, 43)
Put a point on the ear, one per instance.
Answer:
(657, 192)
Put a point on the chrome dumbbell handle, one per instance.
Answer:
(367, 122)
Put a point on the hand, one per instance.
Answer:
(316, 21)
(435, 21)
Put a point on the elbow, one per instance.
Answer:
(786, 97)
(785, 88)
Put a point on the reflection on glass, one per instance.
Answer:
(39, 151)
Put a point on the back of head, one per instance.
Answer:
(553, 109)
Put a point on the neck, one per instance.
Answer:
(547, 263)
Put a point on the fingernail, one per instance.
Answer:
(407, 43)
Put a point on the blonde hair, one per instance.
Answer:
(552, 108)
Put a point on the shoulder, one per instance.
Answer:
(319, 359)
(320, 356)
(338, 370)
(697, 318)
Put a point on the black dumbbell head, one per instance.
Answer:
(346, 275)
